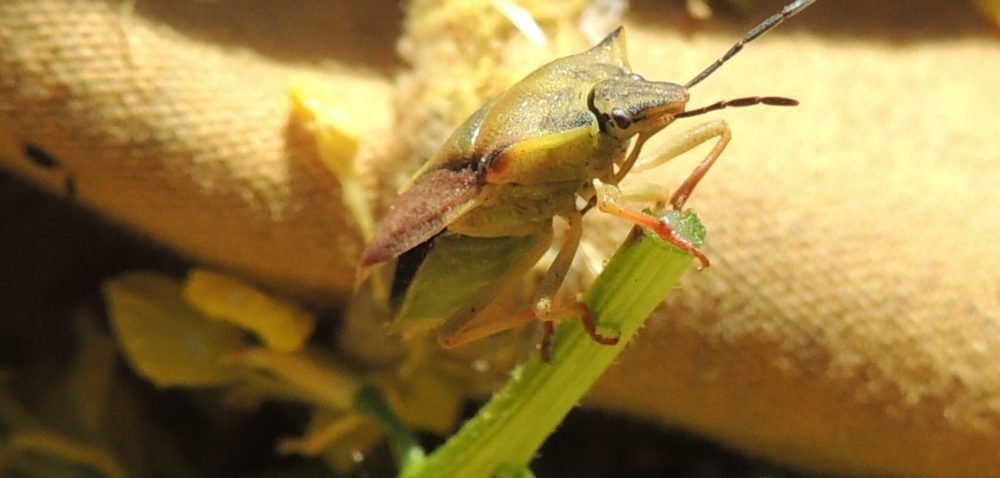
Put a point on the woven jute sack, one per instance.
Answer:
(850, 322)
(172, 124)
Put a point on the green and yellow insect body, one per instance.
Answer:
(478, 215)
(521, 158)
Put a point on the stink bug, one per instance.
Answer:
(478, 214)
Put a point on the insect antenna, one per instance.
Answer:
(767, 25)
(747, 101)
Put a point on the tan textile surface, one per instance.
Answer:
(850, 321)
(187, 142)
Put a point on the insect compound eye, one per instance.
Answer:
(621, 118)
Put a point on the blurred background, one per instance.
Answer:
(880, 183)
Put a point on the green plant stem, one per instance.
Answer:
(405, 445)
(509, 429)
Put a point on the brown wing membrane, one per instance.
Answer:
(421, 212)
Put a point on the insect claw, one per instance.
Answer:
(548, 328)
(591, 327)
(589, 324)
(667, 233)
(703, 261)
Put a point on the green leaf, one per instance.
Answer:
(165, 339)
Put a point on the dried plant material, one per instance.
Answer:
(348, 439)
(523, 20)
(338, 132)
(58, 446)
(324, 431)
(426, 399)
(92, 374)
(601, 17)
(699, 9)
(990, 8)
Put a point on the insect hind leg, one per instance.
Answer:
(576, 309)
(543, 307)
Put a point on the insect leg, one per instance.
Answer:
(609, 201)
(489, 313)
(549, 329)
(686, 142)
(609, 197)
(452, 335)
(554, 277)
(544, 308)
(633, 155)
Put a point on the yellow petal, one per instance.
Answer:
(279, 324)
(322, 381)
(165, 339)
(338, 128)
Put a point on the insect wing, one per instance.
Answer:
(459, 151)
(461, 275)
(421, 212)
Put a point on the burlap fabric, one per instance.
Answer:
(850, 322)
(175, 121)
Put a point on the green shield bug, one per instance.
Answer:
(478, 215)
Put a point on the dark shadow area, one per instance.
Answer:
(591, 444)
(54, 256)
(898, 22)
(362, 33)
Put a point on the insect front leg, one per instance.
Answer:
(609, 196)
(684, 143)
